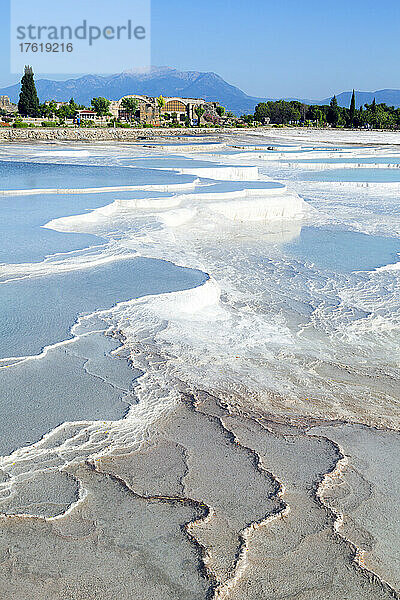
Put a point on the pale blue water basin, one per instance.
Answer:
(353, 175)
(78, 382)
(30, 175)
(237, 186)
(22, 239)
(40, 311)
(343, 251)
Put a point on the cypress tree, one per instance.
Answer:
(352, 109)
(28, 105)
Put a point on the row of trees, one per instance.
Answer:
(51, 110)
(371, 115)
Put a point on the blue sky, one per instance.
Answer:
(305, 48)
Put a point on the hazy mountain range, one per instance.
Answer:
(172, 82)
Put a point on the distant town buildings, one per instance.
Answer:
(176, 108)
(86, 115)
(150, 111)
(5, 104)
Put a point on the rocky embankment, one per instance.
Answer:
(101, 134)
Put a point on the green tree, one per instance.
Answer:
(73, 108)
(383, 118)
(130, 106)
(49, 109)
(372, 115)
(352, 109)
(199, 110)
(28, 105)
(396, 116)
(220, 111)
(315, 114)
(262, 111)
(333, 112)
(379, 115)
(247, 119)
(360, 116)
(64, 112)
(161, 104)
(174, 117)
(101, 106)
(280, 111)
